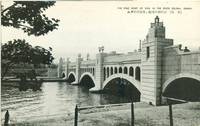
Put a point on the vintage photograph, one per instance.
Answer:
(100, 63)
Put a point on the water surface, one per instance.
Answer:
(55, 98)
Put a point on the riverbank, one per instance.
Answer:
(187, 114)
(42, 79)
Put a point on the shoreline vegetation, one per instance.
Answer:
(186, 114)
(43, 79)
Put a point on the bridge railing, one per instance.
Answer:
(171, 101)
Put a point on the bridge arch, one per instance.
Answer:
(104, 73)
(125, 70)
(63, 75)
(111, 71)
(124, 76)
(87, 79)
(123, 86)
(137, 73)
(131, 71)
(184, 86)
(107, 71)
(93, 71)
(71, 77)
(120, 69)
(115, 71)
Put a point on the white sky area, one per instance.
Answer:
(86, 25)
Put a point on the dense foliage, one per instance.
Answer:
(29, 16)
(20, 51)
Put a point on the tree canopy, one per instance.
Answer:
(29, 16)
(20, 51)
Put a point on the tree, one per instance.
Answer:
(29, 16)
(20, 51)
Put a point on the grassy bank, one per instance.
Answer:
(187, 114)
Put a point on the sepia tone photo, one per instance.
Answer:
(100, 63)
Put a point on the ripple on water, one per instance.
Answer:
(55, 99)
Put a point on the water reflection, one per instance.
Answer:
(54, 98)
(34, 85)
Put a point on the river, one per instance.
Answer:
(55, 98)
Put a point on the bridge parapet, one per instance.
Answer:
(123, 58)
(176, 61)
(71, 67)
(72, 64)
(88, 63)
(190, 62)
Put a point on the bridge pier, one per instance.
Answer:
(66, 68)
(78, 71)
(60, 68)
(99, 74)
(151, 61)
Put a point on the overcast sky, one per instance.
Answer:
(85, 26)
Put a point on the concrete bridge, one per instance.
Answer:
(157, 68)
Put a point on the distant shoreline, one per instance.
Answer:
(43, 79)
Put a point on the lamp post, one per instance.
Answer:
(132, 113)
(76, 116)
(101, 49)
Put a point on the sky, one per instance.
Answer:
(86, 25)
